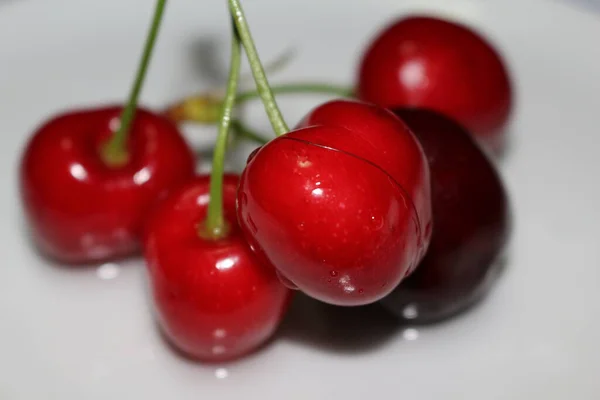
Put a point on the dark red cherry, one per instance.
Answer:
(432, 63)
(80, 209)
(341, 205)
(214, 300)
(471, 223)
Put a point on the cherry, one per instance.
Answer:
(214, 300)
(471, 223)
(431, 63)
(79, 208)
(339, 206)
(88, 177)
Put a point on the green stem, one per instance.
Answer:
(300, 87)
(242, 130)
(215, 226)
(262, 84)
(115, 151)
(275, 65)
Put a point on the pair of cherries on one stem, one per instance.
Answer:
(98, 183)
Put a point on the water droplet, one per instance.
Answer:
(346, 284)
(301, 226)
(333, 273)
(361, 291)
(376, 222)
(348, 289)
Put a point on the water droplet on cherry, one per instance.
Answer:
(377, 222)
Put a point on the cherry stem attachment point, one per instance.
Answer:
(215, 226)
(114, 151)
(262, 84)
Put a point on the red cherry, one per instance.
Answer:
(213, 298)
(471, 223)
(341, 207)
(82, 210)
(444, 66)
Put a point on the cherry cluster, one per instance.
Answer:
(389, 195)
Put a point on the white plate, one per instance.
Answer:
(88, 334)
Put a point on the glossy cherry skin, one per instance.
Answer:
(214, 300)
(472, 224)
(79, 209)
(329, 209)
(432, 63)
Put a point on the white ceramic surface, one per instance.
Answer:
(88, 334)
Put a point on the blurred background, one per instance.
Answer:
(89, 333)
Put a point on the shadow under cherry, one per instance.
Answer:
(338, 329)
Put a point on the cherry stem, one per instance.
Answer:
(115, 151)
(275, 65)
(215, 226)
(299, 87)
(260, 77)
